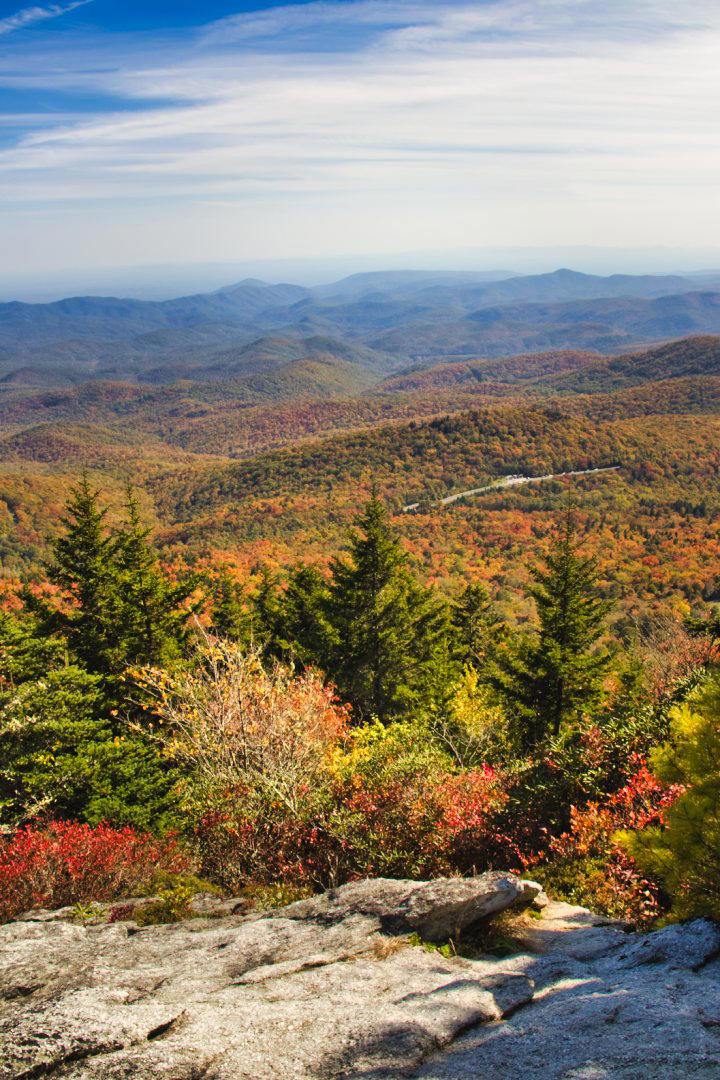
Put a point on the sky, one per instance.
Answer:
(140, 134)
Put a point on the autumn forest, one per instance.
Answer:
(462, 608)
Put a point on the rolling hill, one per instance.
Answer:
(507, 369)
(405, 316)
(694, 356)
(261, 447)
(294, 389)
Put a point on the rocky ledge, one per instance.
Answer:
(337, 986)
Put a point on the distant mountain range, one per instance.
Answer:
(364, 326)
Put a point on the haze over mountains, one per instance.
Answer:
(366, 326)
(254, 419)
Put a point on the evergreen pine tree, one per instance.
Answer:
(304, 621)
(231, 618)
(84, 566)
(267, 616)
(684, 851)
(152, 610)
(550, 681)
(64, 753)
(477, 626)
(392, 649)
(125, 611)
(25, 651)
(64, 726)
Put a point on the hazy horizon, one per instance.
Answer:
(157, 136)
(166, 282)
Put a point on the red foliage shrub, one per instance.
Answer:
(62, 863)
(640, 803)
(467, 836)
(588, 865)
(246, 844)
(420, 826)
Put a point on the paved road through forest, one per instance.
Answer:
(508, 481)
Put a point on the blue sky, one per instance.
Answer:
(157, 132)
(116, 15)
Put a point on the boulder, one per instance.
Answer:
(686, 947)
(325, 987)
(435, 910)
(531, 894)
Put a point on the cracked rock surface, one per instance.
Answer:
(330, 987)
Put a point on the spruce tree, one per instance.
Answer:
(230, 616)
(267, 616)
(65, 751)
(26, 651)
(392, 651)
(152, 610)
(305, 620)
(84, 566)
(550, 681)
(477, 626)
(125, 609)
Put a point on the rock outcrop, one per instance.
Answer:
(333, 987)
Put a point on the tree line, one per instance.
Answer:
(78, 739)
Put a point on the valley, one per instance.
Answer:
(253, 451)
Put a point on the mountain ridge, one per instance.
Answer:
(421, 318)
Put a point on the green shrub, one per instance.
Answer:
(279, 895)
(684, 852)
(175, 893)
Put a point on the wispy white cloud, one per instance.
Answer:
(293, 18)
(368, 123)
(415, 23)
(28, 16)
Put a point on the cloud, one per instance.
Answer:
(292, 17)
(376, 122)
(416, 23)
(28, 16)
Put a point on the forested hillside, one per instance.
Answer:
(222, 477)
(445, 679)
(694, 356)
(281, 734)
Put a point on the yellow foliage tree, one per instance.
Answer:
(684, 854)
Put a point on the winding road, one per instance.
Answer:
(509, 481)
